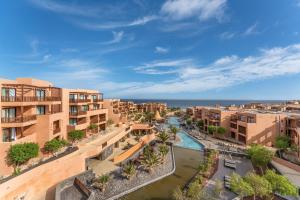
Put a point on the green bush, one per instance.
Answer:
(260, 155)
(54, 145)
(93, 126)
(75, 135)
(19, 154)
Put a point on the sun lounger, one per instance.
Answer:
(230, 161)
(227, 178)
(233, 166)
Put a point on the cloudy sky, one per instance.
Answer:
(179, 49)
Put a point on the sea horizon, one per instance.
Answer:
(184, 103)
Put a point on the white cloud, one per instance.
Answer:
(203, 9)
(116, 24)
(224, 72)
(117, 37)
(252, 30)
(68, 8)
(161, 50)
(227, 35)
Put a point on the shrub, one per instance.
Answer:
(110, 122)
(54, 145)
(19, 154)
(260, 156)
(221, 130)
(280, 184)
(193, 190)
(75, 135)
(211, 129)
(93, 126)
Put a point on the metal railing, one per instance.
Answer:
(78, 113)
(19, 119)
(79, 100)
(28, 98)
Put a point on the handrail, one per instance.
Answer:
(28, 98)
(19, 119)
(79, 100)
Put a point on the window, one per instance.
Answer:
(73, 122)
(73, 109)
(94, 97)
(40, 110)
(9, 134)
(8, 92)
(8, 113)
(40, 94)
(95, 106)
(85, 108)
(73, 96)
(82, 96)
(242, 130)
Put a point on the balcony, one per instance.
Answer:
(19, 119)
(28, 99)
(98, 100)
(79, 100)
(78, 113)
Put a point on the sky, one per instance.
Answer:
(162, 49)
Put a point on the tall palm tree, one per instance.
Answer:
(163, 136)
(129, 170)
(100, 182)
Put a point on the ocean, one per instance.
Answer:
(189, 103)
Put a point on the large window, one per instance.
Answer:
(9, 134)
(40, 110)
(73, 109)
(82, 96)
(40, 94)
(73, 96)
(8, 113)
(8, 92)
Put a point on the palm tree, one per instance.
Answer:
(129, 170)
(174, 130)
(100, 182)
(163, 136)
(163, 150)
(150, 162)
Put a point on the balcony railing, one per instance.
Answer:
(78, 113)
(98, 100)
(19, 119)
(79, 100)
(28, 98)
(55, 131)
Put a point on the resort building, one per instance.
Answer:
(31, 111)
(36, 111)
(85, 110)
(114, 111)
(152, 107)
(249, 127)
(293, 129)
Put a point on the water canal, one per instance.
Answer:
(187, 158)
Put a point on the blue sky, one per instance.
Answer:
(208, 49)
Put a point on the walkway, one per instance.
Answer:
(244, 165)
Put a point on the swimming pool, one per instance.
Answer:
(185, 140)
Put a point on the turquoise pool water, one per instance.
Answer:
(185, 140)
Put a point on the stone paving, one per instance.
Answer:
(244, 165)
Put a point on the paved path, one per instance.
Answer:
(243, 166)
